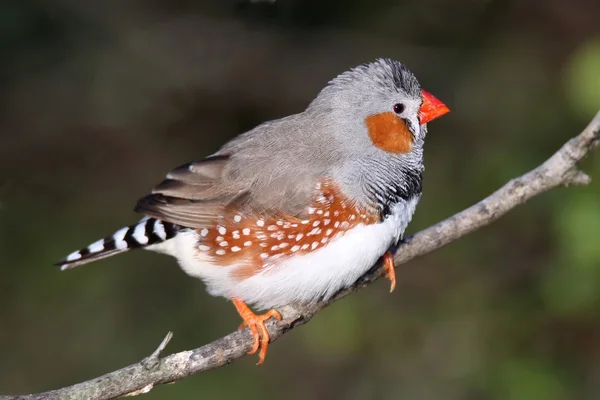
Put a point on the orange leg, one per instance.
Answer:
(257, 326)
(390, 270)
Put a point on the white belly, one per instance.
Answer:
(303, 278)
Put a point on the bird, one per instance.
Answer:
(297, 208)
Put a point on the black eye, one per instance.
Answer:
(398, 108)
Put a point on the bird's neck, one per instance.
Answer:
(381, 183)
(387, 192)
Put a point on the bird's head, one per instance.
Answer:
(380, 104)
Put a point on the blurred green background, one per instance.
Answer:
(99, 99)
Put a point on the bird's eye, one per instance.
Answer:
(398, 108)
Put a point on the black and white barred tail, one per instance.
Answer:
(147, 232)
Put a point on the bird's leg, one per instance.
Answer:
(390, 270)
(257, 326)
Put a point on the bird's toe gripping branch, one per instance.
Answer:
(390, 269)
(257, 326)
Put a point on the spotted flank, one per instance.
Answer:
(148, 231)
(254, 240)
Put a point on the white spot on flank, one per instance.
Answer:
(314, 245)
(248, 243)
(304, 221)
(204, 247)
(74, 256)
(294, 225)
(96, 246)
(222, 230)
(352, 217)
(219, 238)
(283, 245)
(264, 255)
(223, 244)
(159, 230)
(279, 222)
(235, 249)
(319, 212)
(299, 236)
(271, 228)
(336, 213)
(220, 252)
(246, 231)
(326, 221)
(316, 223)
(118, 238)
(295, 248)
(204, 232)
(263, 245)
(345, 225)
(304, 246)
(329, 231)
(324, 240)
(260, 222)
(139, 234)
(235, 234)
(337, 224)
(326, 214)
(274, 248)
(315, 231)
(237, 218)
(261, 236)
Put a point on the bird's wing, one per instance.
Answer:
(196, 194)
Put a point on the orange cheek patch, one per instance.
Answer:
(389, 133)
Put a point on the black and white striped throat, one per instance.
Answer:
(386, 194)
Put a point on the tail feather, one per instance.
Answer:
(147, 232)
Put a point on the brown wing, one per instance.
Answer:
(193, 195)
(196, 194)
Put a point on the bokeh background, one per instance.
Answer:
(99, 99)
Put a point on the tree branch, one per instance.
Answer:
(560, 169)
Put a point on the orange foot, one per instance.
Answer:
(257, 326)
(390, 270)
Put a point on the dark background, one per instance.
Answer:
(99, 99)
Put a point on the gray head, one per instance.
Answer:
(377, 115)
(384, 99)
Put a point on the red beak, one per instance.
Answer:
(431, 108)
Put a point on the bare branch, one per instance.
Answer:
(560, 169)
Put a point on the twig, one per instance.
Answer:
(153, 359)
(560, 169)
